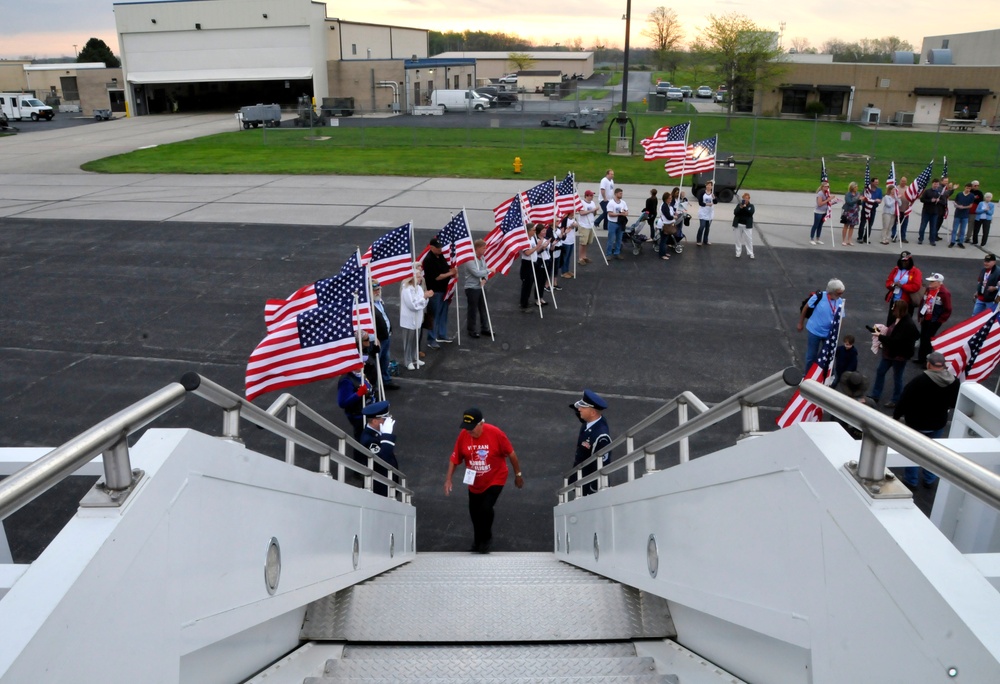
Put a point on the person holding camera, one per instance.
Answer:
(617, 221)
(743, 224)
(897, 348)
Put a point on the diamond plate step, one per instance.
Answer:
(505, 668)
(623, 679)
(617, 649)
(495, 598)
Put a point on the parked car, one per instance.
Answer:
(585, 118)
(662, 87)
(704, 91)
(508, 78)
(687, 91)
(675, 94)
(721, 96)
(497, 97)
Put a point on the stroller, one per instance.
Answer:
(675, 231)
(635, 235)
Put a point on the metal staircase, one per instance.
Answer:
(502, 617)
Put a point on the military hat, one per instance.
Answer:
(591, 400)
(471, 418)
(379, 409)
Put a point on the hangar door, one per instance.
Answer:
(217, 69)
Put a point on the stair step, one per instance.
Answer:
(617, 679)
(505, 668)
(614, 649)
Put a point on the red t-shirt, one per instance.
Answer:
(487, 455)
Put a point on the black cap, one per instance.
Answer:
(471, 418)
(990, 257)
(434, 243)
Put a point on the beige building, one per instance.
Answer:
(493, 65)
(77, 87)
(221, 54)
(928, 93)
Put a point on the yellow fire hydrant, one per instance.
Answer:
(517, 165)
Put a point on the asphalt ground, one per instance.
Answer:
(99, 314)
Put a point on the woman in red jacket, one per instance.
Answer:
(903, 282)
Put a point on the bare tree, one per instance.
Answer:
(800, 44)
(664, 30)
(575, 44)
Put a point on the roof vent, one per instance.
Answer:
(939, 56)
(902, 57)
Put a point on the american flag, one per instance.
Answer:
(799, 409)
(914, 189)
(542, 202)
(869, 206)
(972, 348)
(824, 178)
(667, 142)
(699, 158)
(390, 258)
(351, 285)
(944, 170)
(890, 181)
(456, 233)
(501, 211)
(505, 242)
(313, 344)
(567, 199)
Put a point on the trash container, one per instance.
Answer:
(657, 102)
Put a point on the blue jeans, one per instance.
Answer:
(812, 350)
(958, 228)
(439, 328)
(817, 226)
(980, 307)
(897, 379)
(567, 258)
(603, 215)
(383, 359)
(928, 218)
(614, 238)
(911, 474)
(703, 226)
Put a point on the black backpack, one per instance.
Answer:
(810, 309)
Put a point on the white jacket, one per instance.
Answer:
(411, 306)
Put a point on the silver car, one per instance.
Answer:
(704, 91)
(675, 94)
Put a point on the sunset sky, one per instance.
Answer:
(50, 28)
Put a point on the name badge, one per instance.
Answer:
(470, 476)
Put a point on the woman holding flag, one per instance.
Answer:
(824, 201)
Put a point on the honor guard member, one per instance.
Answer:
(379, 439)
(594, 435)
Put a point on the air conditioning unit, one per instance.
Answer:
(870, 116)
(902, 119)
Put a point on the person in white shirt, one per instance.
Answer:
(529, 259)
(890, 207)
(607, 194)
(568, 245)
(585, 221)
(706, 212)
(413, 296)
(617, 221)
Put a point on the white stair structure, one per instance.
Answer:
(791, 556)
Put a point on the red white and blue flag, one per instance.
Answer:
(972, 348)
(310, 336)
(667, 142)
(824, 178)
(698, 158)
(567, 199)
(914, 189)
(505, 242)
(541, 201)
(800, 409)
(390, 258)
(869, 204)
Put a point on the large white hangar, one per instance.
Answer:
(200, 55)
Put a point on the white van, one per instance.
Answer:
(459, 99)
(23, 106)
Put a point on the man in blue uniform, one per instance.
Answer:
(594, 434)
(379, 439)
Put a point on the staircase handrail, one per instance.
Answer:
(110, 437)
(880, 432)
(745, 401)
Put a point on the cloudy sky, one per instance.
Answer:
(50, 28)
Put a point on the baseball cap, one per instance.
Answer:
(904, 254)
(936, 359)
(588, 193)
(376, 283)
(990, 257)
(935, 278)
(471, 418)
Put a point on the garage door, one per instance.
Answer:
(254, 54)
(928, 110)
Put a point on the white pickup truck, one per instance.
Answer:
(18, 106)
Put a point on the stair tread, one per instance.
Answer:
(611, 679)
(491, 667)
(614, 649)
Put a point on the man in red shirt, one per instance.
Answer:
(485, 450)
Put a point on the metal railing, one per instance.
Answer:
(744, 402)
(110, 437)
(879, 432)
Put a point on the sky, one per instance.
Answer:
(51, 28)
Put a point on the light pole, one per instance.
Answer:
(76, 54)
(623, 114)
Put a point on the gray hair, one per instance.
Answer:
(835, 285)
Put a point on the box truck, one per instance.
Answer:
(18, 106)
(459, 99)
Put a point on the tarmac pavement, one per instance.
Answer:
(116, 285)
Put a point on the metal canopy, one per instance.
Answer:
(214, 75)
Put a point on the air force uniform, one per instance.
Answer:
(381, 443)
(593, 437)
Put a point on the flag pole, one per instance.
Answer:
(680, 183)
(371, 310)
(576, 216)
(534, 276)
(716, 160)
(360, 351)
(413, 276)
(458, 309)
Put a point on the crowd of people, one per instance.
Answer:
(970, 209)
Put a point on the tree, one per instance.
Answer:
(744, 53)
(96, 50)
(867, 50)
(575, 44)
(664, 29)
(800, 44)
(520, 61)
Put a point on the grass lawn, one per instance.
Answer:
(786, 153)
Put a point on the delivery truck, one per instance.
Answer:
(19, 106)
